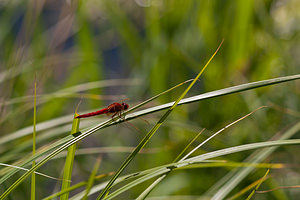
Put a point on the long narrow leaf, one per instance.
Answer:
(69, 161)
(223, 187)
(33, 144)
(147, 191)
(213, 94)
(208, 95)
(217, 93)
(91, 179)
(158, 171)
(153, 130)
(167, 168)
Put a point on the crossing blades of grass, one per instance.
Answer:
(161, 170)
(58, 145)
(76, 186)
(69, 140)
(258, 185)
(249, 187)
(148, 190)
(153, 130)
(225, 185)
(217, 93)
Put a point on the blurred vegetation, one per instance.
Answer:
(102, 51)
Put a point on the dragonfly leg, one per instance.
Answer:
(117, 113)
(122, 116)
(112, 117)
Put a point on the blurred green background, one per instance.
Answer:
(137, 49)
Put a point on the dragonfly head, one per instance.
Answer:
(125, 106)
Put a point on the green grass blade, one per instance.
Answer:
(91, 179)
(193, 140)
(66, 119)
(208, 95)
(217, 93)
(258, 185)
(246, 189)
(59, 149)
(223, 187)
(156, 96)
(69, 161)
(38, 154)
(159, 171)
(33, 144)
(222, 92)
(236, 149)
(69, 189)
(218, 132)
(68, 141)
(153, 130)
(24, 169)
(147, 191)
(76, 186)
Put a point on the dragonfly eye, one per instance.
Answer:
(125, 106)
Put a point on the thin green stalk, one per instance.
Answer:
(70, 140)
(33, 144)
(24, 169)
(91, 179)
(226, 184)
(258, 185)
(152, 131)
(76, 186)
(246, 189)
(63, 120)
(193, 140)
(150, 188)
(69, 161)
(147, 191)
(164, 169)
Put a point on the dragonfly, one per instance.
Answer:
(114, 108)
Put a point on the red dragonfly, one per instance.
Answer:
(114, 108)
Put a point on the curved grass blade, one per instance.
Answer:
(218, 132)
(208, 95)
(69, 141)
(224, 186)
(65, 93)
(150, 188)
(91, 179)
(40, 126)
(51, 155)
(48, 124)
(159, 171)
(248, 188)
(217, 93)
(147, 191)
(258, 185)
(156, 96)
(38, 173)
(40, 153)
(66, 119)
(153, 130)
(76, 186)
